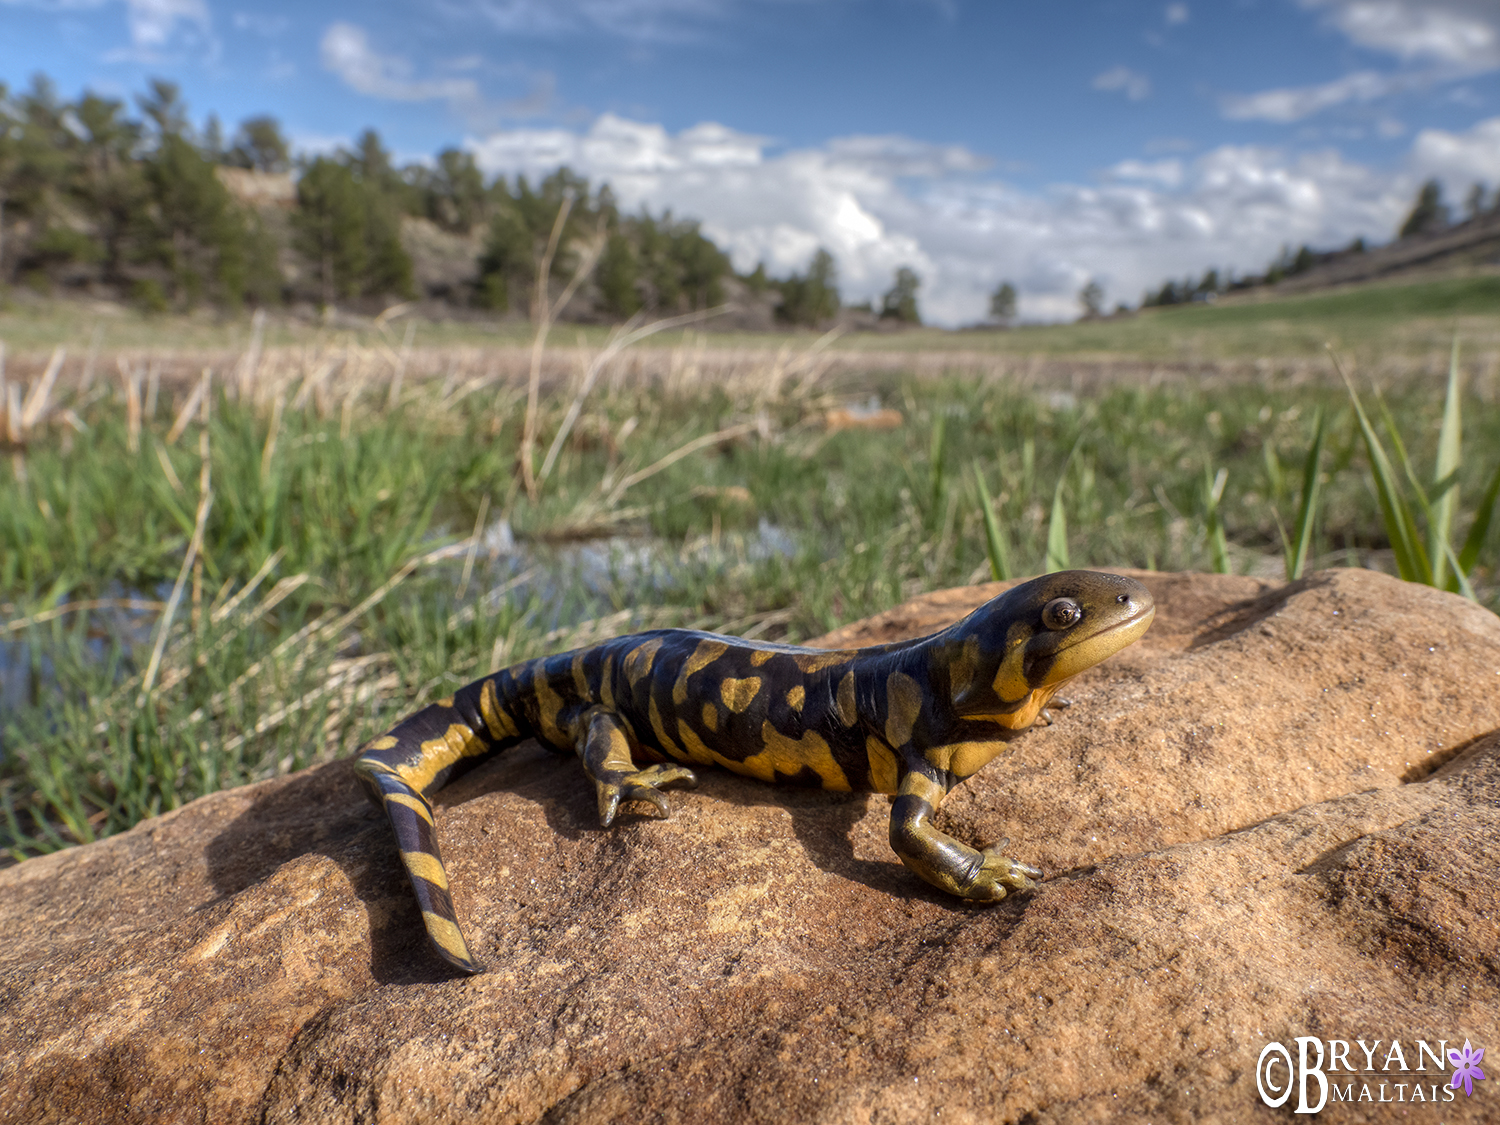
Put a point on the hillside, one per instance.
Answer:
(1473, 244)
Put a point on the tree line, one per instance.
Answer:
(1429, 214)
(97, 196)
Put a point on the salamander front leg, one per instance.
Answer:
(943, 861)
(605, 750)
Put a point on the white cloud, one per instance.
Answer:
(880, 202)
(160, 30)
(1134, 85)
(630, 19)
(1460, 158)
(1461, 33)
(346, 51)
(154, 23)
(1176, 13)
(262, 24)
(1297, 102)
(1168, 173)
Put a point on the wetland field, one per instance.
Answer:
(230, 549)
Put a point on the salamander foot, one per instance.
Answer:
(642, 785)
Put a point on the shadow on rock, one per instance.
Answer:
(323, 812)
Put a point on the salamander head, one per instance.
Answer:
(1009, 655)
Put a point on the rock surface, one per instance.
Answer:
(1277, 815)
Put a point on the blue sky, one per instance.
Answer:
(976, 140)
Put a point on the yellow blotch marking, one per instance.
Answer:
(919, 785)
(848, 714)
(638, 660)
(661, 729)
(704, 655)
(606, 683)
(965, 759)
(817, 661)
(963, 667)
(795, 698)
(549, 706)
(789, 755)
(580, 681)
(446, 934)
(711, 716)
(1024, 715)
(384, 742)
(883, 767)
(782, 754)
(458, 741)
(416, 804)
(739, 694)
(760, 656)
(426, 866)
(1010, 681)
(698, 751)
(903, 700)
(496, 718)
(446, 701)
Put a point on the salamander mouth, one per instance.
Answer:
(1079, 652)
(1140, 619)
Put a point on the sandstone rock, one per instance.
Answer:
(1278, 815)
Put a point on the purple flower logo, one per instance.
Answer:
(1467, 1062)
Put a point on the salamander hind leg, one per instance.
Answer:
(943, 861)
(604, 748)
(411, 818)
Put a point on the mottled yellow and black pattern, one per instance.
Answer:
(910, 719)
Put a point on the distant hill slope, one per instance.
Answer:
(1472, 244)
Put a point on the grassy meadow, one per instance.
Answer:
(211, 578)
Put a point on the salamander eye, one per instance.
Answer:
(1061, 613)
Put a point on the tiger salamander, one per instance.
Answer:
(911, 720)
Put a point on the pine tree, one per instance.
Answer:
(900, 300)
(618, 276)
(456, 198)
(1091, 299)
(1428, 213)
(260, 145)
(330, 227)
(1003, 304)
(812, 298)
(199, 233)
(110, 184)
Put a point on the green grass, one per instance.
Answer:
(317, 610)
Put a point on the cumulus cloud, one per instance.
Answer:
(881, 202)
(1134, 85)
(1460, 158)
(1460, 33)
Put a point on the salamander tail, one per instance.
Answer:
(411, 818)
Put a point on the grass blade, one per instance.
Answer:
(1445, 475)
(994, 538)
(935, 460)
(1480, 529)
(1393, 510)
(1213, 492)
(1311, 470)
(1420, 558)
(1057, 529)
